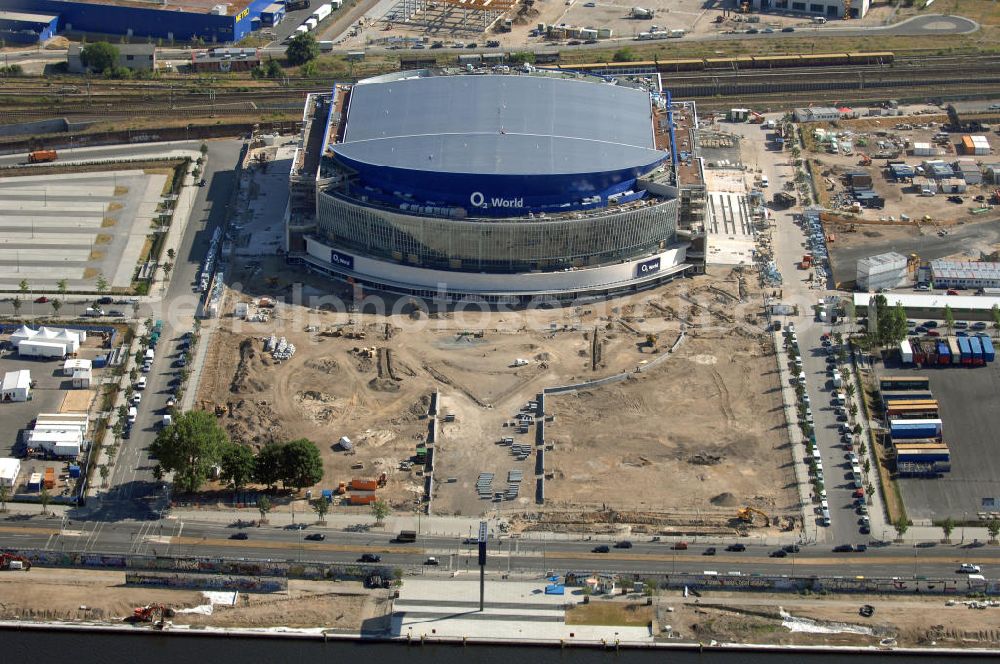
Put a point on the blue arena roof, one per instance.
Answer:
(499, 125)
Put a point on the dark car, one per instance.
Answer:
(788, 29)
(865, 530)
(736, 547)
(860, 548)
(114, 313)
(370, 558)
(752, 31)
(432, 561)
(624, 544)
(710, 551)
(105, 300)
(604, 548)
(780, 553)
(791, 548)
(843, 548)
(472, 45)
(437, 45)
(931, 323)
(316, 537)
(239, 536)
(493, 43)
(41, 300)
(574, 42)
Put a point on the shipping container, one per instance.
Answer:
(956, 354)
(909, 429)
(977, 351)
(988, 354)
(966, 350)
(321, 12)
(35, 482)
(906, 396)
(904, 383)
(943, 353)
(905, 351)
(919, 355)
(50, 478)
(362, 499)
(363, 485)
(914, 413)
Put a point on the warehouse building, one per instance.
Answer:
(137, 57)
(969, 171)
(817, 114)
(211, 21)
(965, 274)
(27, 27)
(882, 271)
(974, 115)
(492, 187)
(829, 9)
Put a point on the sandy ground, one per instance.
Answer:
(754, 618)
(702, 417)
(98, 595)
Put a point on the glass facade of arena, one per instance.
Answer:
(491, 245)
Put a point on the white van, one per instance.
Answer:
(93, 312)
(764, 182)
(818, 19)
(141, 383)
(150, 354)
(133, 413)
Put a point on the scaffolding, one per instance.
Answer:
(447, 17)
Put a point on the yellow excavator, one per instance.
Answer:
(749, 514)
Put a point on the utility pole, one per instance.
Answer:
(483, 533)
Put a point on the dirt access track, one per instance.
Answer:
(692, 430)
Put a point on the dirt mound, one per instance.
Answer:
(327, 365)
(543, 357)
(242, 382)
(317, 406)
(253, 423)
(420, 407)
(704, 459)
(725, 499)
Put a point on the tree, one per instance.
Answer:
(204, 151)
(624, 55)
(167, 267)
(237, 465)
(16, 303)
(158, 473)
(947, 527)
(263, 506)
(45, 498)
(190, 447)
(301, 464)
(302, 49)
(171, 254)
(993, 527)
(995, 314)
(267, 466)
(99, 56)
(56, 305)
(102, 284)
(272, 69)
(24, 286)
(321, 506)
(61, 285)
(4, 497)
(949, 318)
(103, 469)
(308, 70)
(380, 510)
(902, 525)
(868, 466)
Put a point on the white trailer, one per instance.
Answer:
(311, 23)
(322, 12)
(32, 348)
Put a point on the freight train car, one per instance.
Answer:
(735, 63)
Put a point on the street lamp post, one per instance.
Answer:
(965, 517)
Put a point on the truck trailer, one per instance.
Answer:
(41, 156)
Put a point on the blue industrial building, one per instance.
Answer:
(163, 21)
(27, 28)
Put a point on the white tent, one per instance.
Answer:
(16, 386)
(9, 470)
(62, 421)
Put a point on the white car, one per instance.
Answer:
(136, 398)
(969, 568)
(141, 383)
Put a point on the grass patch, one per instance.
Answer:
(169, 172)
(96, 255)
(103, 238)
(121, 190)
(91, 273)
(146, 248)
(610, 613)
(114, 207)
(108, 222)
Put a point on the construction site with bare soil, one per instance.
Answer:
(689, 434)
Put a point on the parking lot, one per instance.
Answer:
(968, 405)
(76, 226)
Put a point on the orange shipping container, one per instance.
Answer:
(50, 478)
(968, 146)
(362, 499)
(363, 485)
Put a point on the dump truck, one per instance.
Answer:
(41, 156)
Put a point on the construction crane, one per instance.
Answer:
(10, 561)
(746, 514)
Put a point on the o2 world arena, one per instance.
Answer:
(500, 187)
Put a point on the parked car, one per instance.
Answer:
(41, 300)
(933, 333)
(843, 548)
(115, 313)
(431, 561)
(788, 29)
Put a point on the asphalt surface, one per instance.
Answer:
(183, 538)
